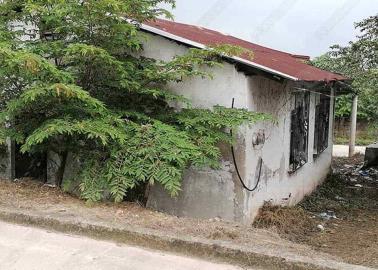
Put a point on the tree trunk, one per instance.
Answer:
(61, 169)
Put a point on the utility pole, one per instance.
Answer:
(353, 126)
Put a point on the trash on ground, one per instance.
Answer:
(328, 215)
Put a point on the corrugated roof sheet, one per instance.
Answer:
(292, 65)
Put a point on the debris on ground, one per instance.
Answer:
(328, 215)
(340, 218)
(320, 227)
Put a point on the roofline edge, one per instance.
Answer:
(202, 46)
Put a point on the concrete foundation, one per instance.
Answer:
(206, 194)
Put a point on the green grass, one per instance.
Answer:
(363, 141)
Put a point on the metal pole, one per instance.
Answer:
(353, 127)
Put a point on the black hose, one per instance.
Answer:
(236, 166)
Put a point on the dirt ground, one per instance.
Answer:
(348, 214)
(340, 218)
(27, 195)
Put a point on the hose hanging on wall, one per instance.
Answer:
(236, 166)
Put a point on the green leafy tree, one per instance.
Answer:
(73, 81)
(359, 62)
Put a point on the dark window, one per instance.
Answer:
(322, 114)
(299, 131)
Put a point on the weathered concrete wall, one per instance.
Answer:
(371, 155)
(209, 193)
(277, 185)
(205, 193)
(204, 93)
(7, 161)
(72, 169)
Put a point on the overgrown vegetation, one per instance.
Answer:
(359, 62)
(73, 80)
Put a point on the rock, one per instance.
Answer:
(320, 227)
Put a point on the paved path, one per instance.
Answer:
(343, 150)
(24, 248)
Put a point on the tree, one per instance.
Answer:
(359, 62)
(73, 80)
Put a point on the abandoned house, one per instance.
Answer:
(278, 162)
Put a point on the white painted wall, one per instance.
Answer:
(277, 185)
(204, 93)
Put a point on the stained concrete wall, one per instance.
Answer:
(205, 193)
(278, 186)
(210, 193)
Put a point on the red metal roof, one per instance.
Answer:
(282, 62)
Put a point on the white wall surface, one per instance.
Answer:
(204, 93)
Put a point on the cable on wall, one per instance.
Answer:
(236, 166)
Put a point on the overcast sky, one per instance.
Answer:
(307, 27)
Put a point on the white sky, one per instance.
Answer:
(306, 27)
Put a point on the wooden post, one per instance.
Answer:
(353, 127)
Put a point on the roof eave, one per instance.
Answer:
(160, 32)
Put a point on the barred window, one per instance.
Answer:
(322, 114)
(299, 131)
